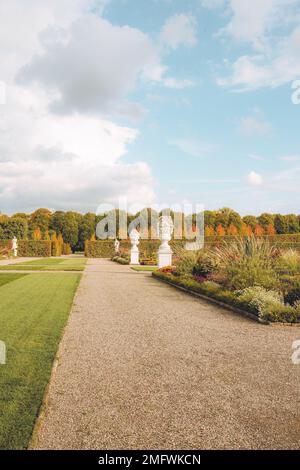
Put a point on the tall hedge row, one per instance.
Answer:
(105, 248)
(39, 248)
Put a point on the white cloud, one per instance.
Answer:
(290, 158)
(179, 30)
(276, 57)
(71, 160)
(258, 158)
(193, 147)
(252, 24)
(255, 179)
(95, 69)
(178, 84)
(250, 126)
(211, 4)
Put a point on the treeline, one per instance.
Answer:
(75, 228)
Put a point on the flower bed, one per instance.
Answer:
(248, 275)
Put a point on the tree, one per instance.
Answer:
(70, 229)
(266, 219)
(259, 231)
(86, 229)
(292, 223)
(14, 227)
(280, 224)
(57, 222)
(250, 220)
(210, 218)
(232, 230)
(246, 230)
(220, 231)
(40, 219)
(271, 230)
(37, 235)
(20, 215)
(209, 231)
(227, 216)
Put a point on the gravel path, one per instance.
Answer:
(144, 366)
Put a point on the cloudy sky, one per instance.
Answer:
(156, 101)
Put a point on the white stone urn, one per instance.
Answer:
(165, 230)
(15, 246)
(135, 240)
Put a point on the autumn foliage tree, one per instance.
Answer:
(209, 231)
(271, 230)
(259, 231)
(220, 231)
(37, 235)
(232, 230)
(246, 230)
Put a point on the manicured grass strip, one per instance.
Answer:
(33, 312)
(6, 278)
(47, 264)
(144, 268)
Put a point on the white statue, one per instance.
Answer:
(117, 246)
(135, 240)
(165, 230)
(15, 246)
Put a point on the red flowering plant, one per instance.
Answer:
(167, 270)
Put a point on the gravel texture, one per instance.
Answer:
(144, 366)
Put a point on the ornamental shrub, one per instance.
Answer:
(293, 295)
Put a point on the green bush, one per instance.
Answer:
(206, 264)
(293, 294)
(121, 260)
(248, 262)
(288, 262)
(34, 248)
(267, 305)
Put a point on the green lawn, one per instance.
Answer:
(47, 264)
(144, 268)
(33, 312)
(6, 278)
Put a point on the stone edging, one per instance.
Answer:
(226, 306)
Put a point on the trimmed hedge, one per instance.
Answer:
(38, 248)
(5, 244)
(148, 248)
(99, 249)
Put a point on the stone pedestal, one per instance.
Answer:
(164, 259)
(134, 256)
(134, 252)
(165, 229)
